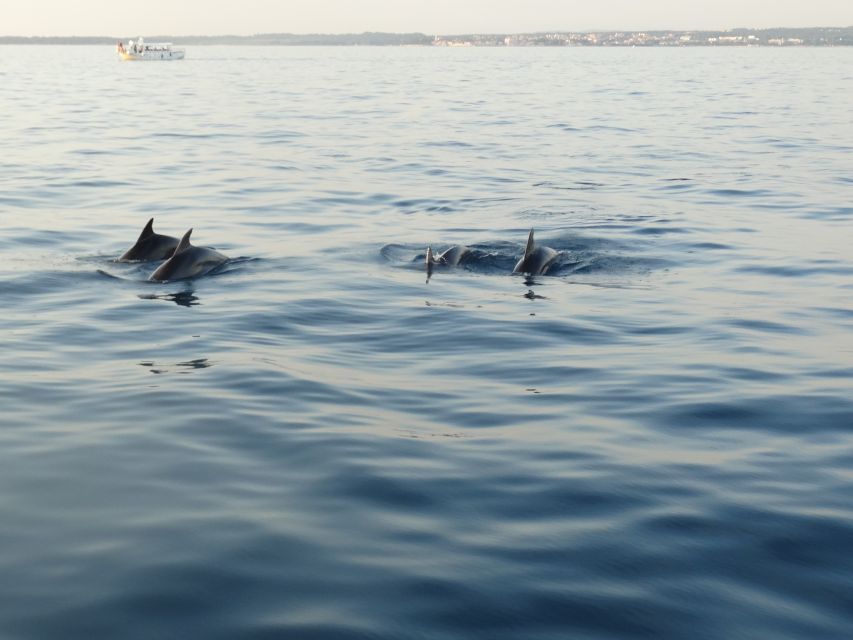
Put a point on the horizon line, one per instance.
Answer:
(427, 33)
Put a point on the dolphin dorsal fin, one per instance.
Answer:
(529, 248)
(185, 242)
(430, 260)
(148, 230)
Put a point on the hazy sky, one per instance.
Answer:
(206, 17)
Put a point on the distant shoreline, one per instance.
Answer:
(812, 36)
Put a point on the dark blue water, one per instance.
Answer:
(654, 440)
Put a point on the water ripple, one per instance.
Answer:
(651, 440)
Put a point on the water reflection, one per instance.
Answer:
(532, 295)
(198, 363)
(182, 367)
(186, 298)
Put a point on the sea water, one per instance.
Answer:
(655, 439)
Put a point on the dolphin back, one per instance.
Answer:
(150, 246)
(188, 261)
(454, 255)
(536, 260)
(449, 258)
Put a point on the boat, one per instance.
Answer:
(141, 50)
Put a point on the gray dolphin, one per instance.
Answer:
(536, 260)
(449, 258)
(150, 246)
(188, 261)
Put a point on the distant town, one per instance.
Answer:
(781, 37)
(735, 37)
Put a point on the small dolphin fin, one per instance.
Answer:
(147, 231)
(529, 248)
(430, 261)
(184, 243)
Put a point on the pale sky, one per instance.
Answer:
(246, 17)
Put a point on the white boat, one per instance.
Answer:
(141, 50)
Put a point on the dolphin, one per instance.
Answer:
(449, 258)
(188, 261)
(536, 260)
(150, 246)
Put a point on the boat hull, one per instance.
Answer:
(148, 56)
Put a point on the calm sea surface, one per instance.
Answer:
(655, 440)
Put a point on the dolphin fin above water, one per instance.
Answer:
(188, 261)
(150, 246)
(448, 258)
(184, 243)
(536, 260)
(529, 247)
(147, 230)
